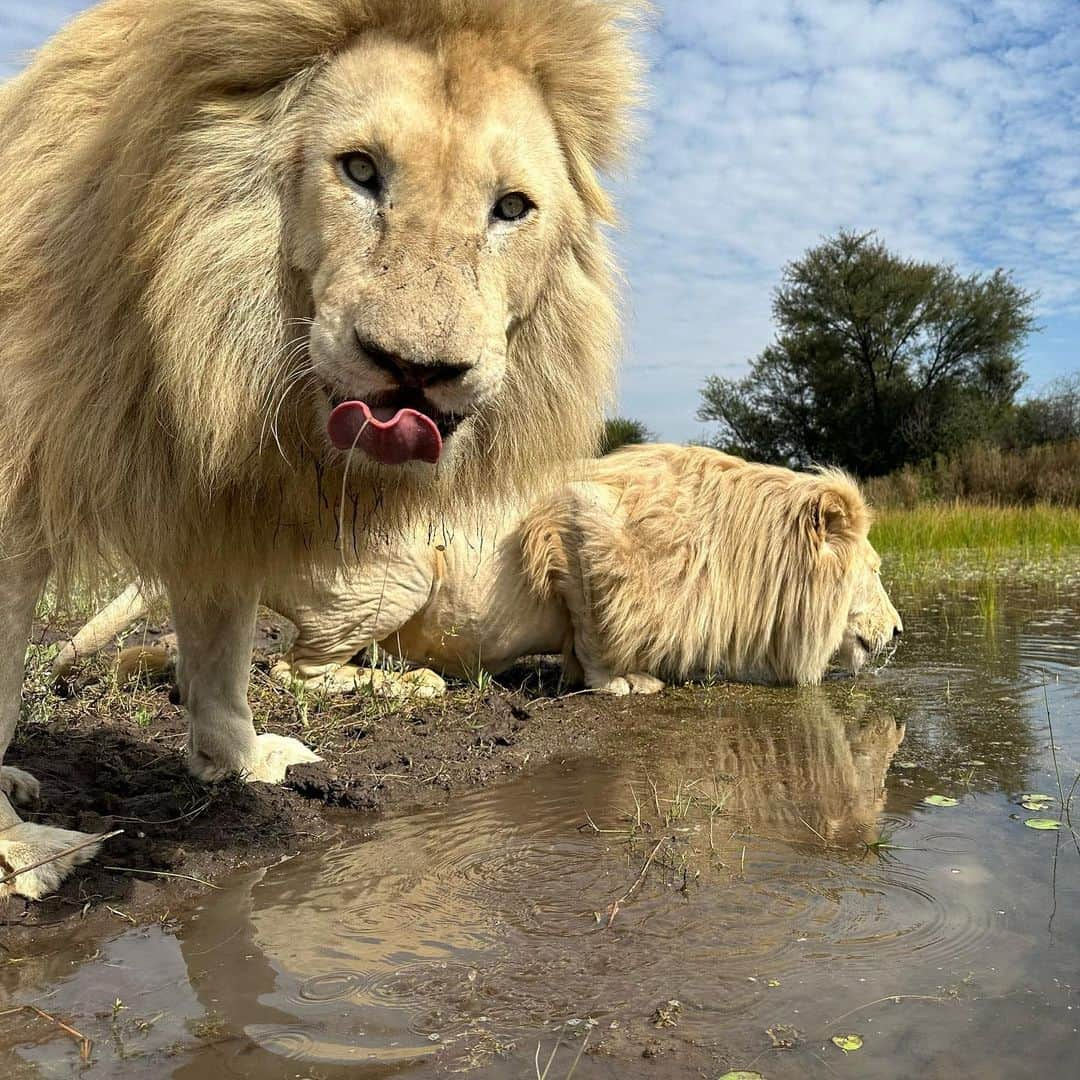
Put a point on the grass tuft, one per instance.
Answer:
(992, 531)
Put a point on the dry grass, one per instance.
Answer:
(1048, 474)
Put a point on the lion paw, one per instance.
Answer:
(349, 678)
(25, 844)
(634, 683)
(20, 787)
(644, 684)
(419, 682)
(275, 754)
(267, 762)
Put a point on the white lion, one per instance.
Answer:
(277, 278)
(661, 562)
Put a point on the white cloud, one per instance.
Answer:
(950, 127)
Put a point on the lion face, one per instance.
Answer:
(431, 202)
(873, 624)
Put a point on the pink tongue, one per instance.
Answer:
(391, 437)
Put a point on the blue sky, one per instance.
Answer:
(951, 127)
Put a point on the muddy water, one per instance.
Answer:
(799, 887)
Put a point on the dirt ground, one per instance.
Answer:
(110, 757)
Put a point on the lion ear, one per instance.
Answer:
(834, 516)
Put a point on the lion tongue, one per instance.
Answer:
(390, 436)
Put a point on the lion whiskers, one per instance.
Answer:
(344, 490)
(293, 349)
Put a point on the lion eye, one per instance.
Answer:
(360, 170)
(512, 207)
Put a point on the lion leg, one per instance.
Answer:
(22, 843)
(587, 649)
(213, 666)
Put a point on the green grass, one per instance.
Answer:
(935, 528)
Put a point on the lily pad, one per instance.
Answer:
(848, 1043)
(1035, 804)
(742, 1074)
(772, 982)
(1035, 796)
(904, 765)
(1043, 823)
(941, 800)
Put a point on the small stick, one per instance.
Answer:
(814, 831)
(85, 1044)
(60, 855)
(162, 873)
(617, 904)
(895, 998)
(167, 821)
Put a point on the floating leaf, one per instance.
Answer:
(941, 800)
(975, 763)
(1035, 804)
(848, 1043)
(1044, 823)
(742, 1074)
(905, 764)
(773, 982)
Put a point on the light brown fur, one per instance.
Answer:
(185, 277)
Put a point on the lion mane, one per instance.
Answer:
(691, 562)
(147, 312)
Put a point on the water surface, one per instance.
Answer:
(800, 887)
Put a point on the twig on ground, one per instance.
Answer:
(167, 821)
(60, 855)
(162, 873)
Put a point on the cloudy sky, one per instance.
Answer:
(952, 127)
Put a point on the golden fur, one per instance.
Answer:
(192, 279)
(148, 304)
(659, 561)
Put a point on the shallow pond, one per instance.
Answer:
(742, 875)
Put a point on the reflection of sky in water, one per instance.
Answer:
(470, 926)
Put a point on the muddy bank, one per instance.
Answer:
(112, 758)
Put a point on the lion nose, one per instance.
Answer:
(408, 372)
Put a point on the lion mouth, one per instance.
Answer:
(391, 428)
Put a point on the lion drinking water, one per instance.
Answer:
(278, 278)
(659, 562)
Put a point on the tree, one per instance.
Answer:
(878, 361)
(621, 431)
(1053, 416)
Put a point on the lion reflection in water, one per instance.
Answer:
(262, 946)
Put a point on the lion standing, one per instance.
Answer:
(277, 274)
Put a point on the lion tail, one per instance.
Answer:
(102, 629)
